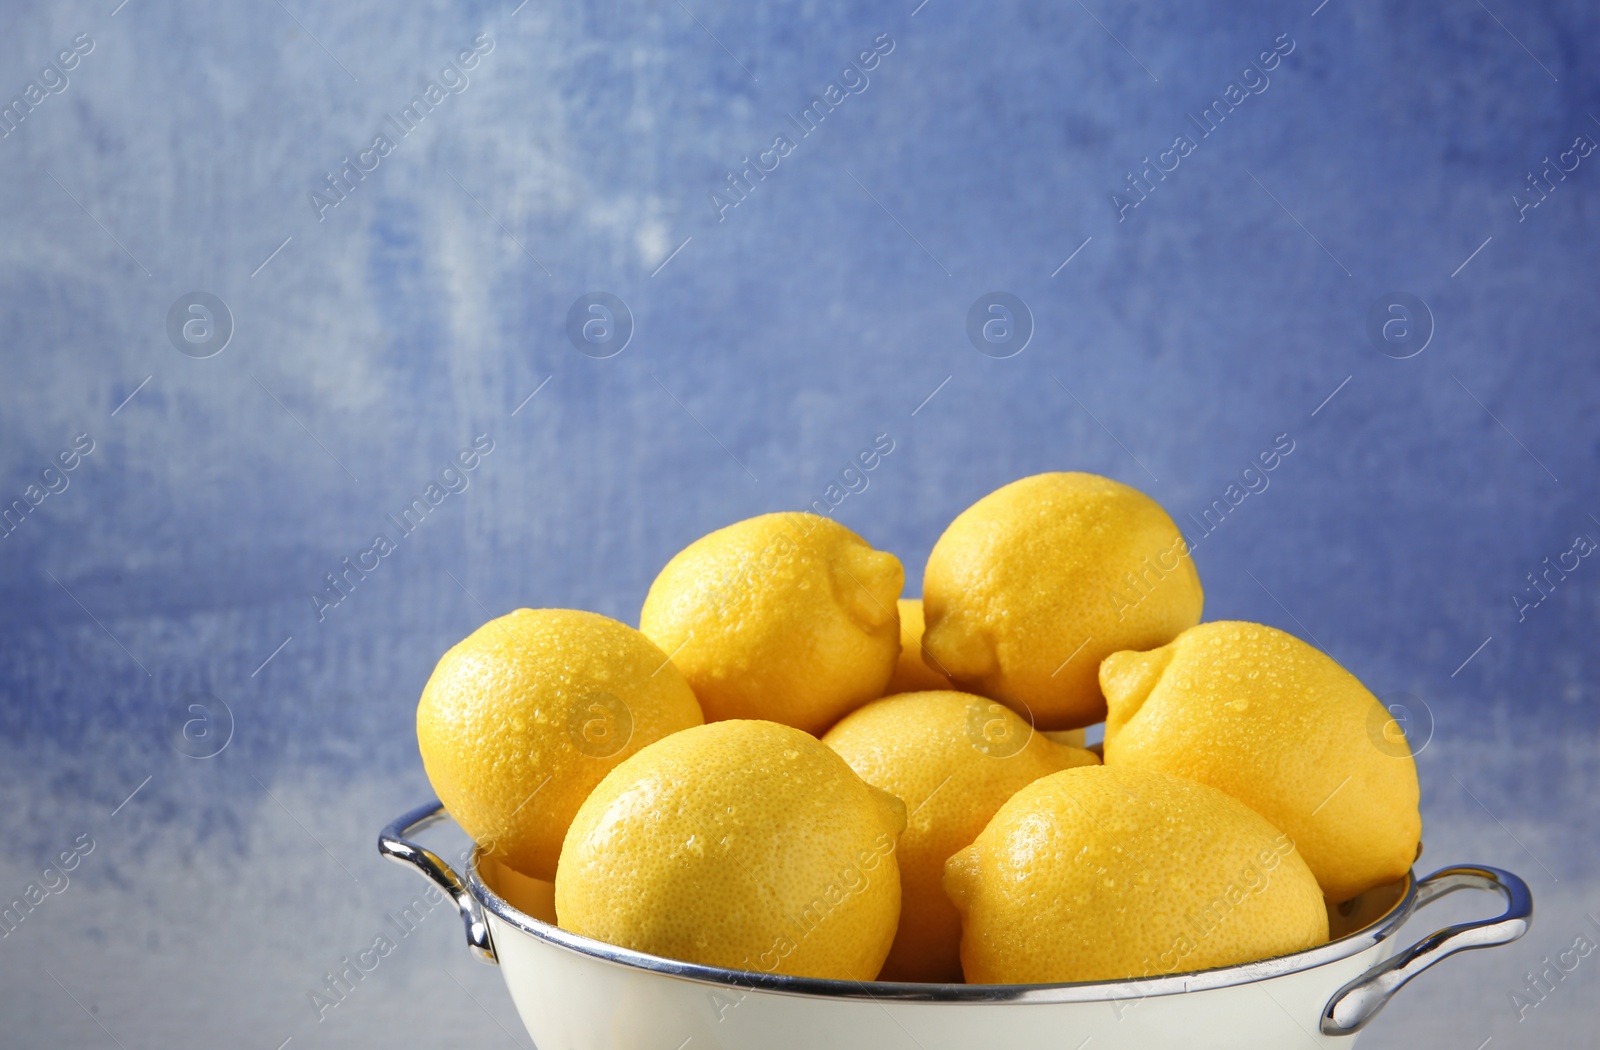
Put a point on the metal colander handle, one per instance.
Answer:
(393, 844)
(1359, 1001)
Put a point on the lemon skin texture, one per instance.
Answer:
(786, 617)
(743, 843)
(1033, 585)
(1102, 874)
(524, 716)
(1279, 725)
(955, 759)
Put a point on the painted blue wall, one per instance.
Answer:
(1384, 148)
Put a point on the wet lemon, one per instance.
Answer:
(1102, 874)
(954, 758)
(1033, 585)
(744, 844)
(1280, 726)
(786, 617)
(523, 717)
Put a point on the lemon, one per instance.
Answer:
(787, 617)
(1284, 729)
(529, 712)
(912, 672)
(1034, 584)
(533, 897)
(954, 758)
(1102, 874)
(744, 844)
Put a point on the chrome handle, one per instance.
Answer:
(393, 844)
(1359, 1001)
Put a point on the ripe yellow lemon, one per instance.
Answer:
(1033, 585)
(954, 758)
(523, 717)
(1284, 729)
(787, 617)
(1102, 874)
(744, 844)
(912, 672)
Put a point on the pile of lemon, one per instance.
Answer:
(784, 771)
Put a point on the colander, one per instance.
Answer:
(575, 993)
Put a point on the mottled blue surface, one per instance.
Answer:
(1384, 153)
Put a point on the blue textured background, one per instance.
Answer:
(824, 309)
